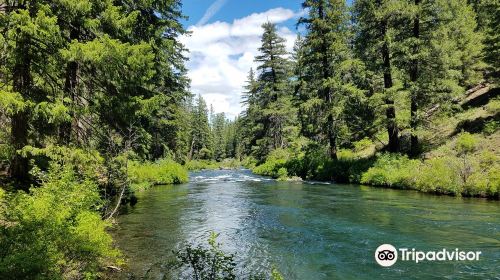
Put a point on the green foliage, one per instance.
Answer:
(270, 119)
(393, 171)
(228, 163)
(207, 263)
(55, 232)
(491, 127)
(466, 143)
(202, 263)
(362, 144)
(81, 72)
(196, 165)
(275, 165)
(249, 162)
(476, 176)
(162, 172)
(494, 106)
(276, 275)
(439, 175)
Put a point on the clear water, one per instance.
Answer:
(307, 230)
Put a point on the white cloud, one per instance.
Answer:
(211, 11)
(222, 53)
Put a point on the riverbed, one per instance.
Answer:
(307, 230)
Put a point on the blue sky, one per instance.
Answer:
(225, 36)
(233, 9)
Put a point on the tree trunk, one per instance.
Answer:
(327, 94)
(70, 89)
(19, 165)
(66, 128)
(392, 128)
(414, 93)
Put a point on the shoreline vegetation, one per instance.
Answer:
(465, 169)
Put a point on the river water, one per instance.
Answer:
(307, 230)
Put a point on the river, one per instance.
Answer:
(307, 230)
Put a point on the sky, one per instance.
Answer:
(225, 36)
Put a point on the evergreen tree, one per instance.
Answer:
(200, 131)
(251, 120)
(440, 55)
(82, 71)
(30, 39)
(274, 93)
(219, 136)
(376, 25)
(325, 56)
(488, 20)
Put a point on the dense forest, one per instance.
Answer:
(95, 105)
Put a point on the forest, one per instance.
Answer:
(96, 105)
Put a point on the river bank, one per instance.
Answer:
(468, 165)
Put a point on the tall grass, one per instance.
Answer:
(163, 172)
(465, 169)
(229, 163)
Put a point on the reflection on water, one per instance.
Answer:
(308, 230)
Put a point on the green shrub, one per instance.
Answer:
(249, 162)
(196, 165)
(494, 106)
(208, 263)
(363, 144)
(491, 127)
(484, 180)
(229, 163)
(276, 275)
(392, 171)
(477, 176)
(163, 172)
(271, 168)
(275, 165)
(466, 143)
(440, 175)
(205, 154)
(315, 165)
(55, 231)
(282, 174)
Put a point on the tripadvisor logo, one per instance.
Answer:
(387, 255)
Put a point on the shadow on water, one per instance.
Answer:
(307, 230)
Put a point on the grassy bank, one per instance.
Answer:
(197, 165)
(144, 175)
(466, 165)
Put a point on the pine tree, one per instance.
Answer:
(82, 71)
(274, 93)
(376, 25)
(488, 20)
(30, 41)
(441, 55)
(251, 120)
(219, 136)
(326, 51)
(200, 131)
